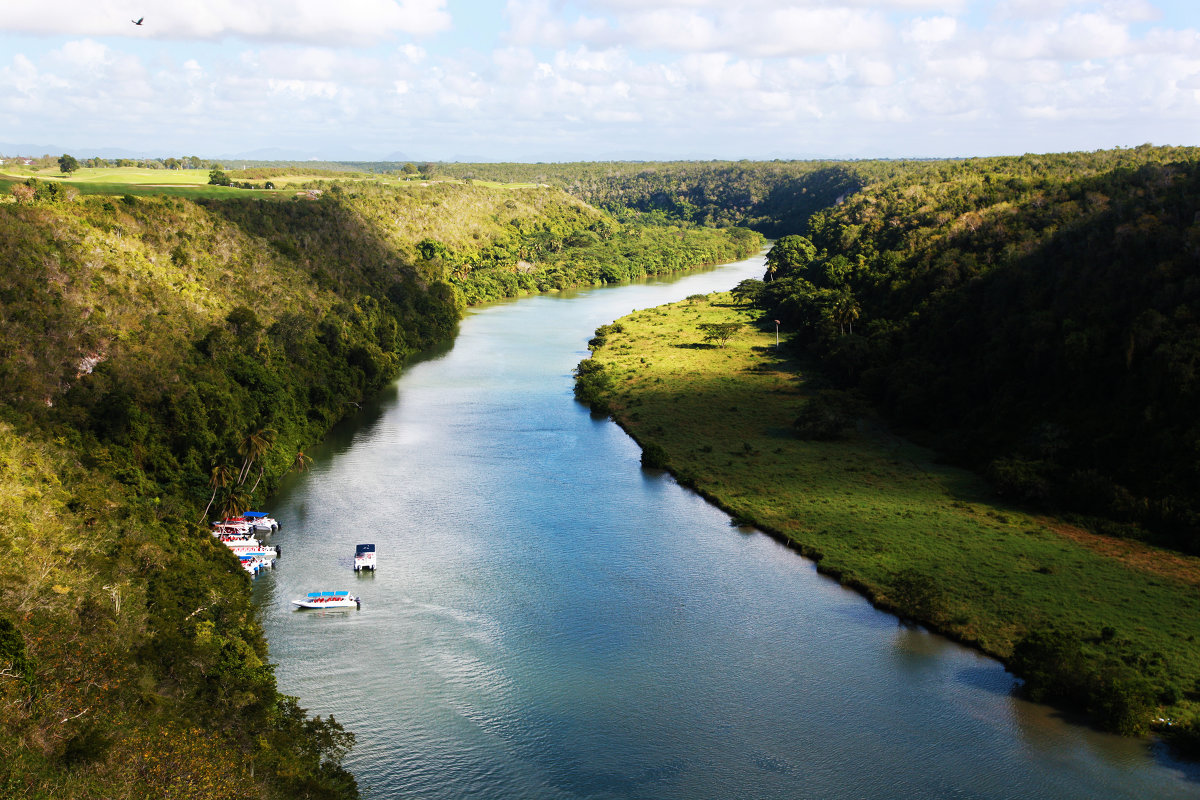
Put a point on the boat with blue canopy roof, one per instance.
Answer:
(335, 599)
(260, 521)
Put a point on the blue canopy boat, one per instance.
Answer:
(338, 599)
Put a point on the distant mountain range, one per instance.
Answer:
(35, 150)
(31, 150)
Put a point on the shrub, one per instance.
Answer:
(592, 383)
(1057, 670)
(654, 456)
(826, 416)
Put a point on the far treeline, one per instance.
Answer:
(166, 361)
(1035, 318)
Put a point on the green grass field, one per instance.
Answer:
(190, 183)
(882, 515)
(193, 183)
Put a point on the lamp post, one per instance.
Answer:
(776, 334)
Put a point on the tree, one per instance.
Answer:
(251, 447)
(216, 177)
(789, 254)
(845, 310)
(67, 164)
(719, 333)
(236, 501)
(218, 479)
(748, 291)
(409, 169)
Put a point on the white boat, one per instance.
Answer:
(228, 537)
(253, 548)
(260, 521)
(235, 525)
(364, 557)
(255, 564)
(339, 599)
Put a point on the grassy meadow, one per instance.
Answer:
(193, 183)
(881, 514)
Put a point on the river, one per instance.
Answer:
(548, 620)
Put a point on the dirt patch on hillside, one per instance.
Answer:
(1163, 563)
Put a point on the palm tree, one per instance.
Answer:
(261, 471)
(250, 448)
(236, 501)
(845, 311)
(301, 462)
(218, 479)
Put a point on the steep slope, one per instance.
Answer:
(158, 355)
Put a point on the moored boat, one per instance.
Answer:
(255, 564)
(253, 548)
(364, 557)
(260, 521)
(337, 599)
(233, 525)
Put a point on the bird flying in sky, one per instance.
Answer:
(137, 21)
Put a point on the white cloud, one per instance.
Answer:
(659, 75)
(969, 68)
(714, 72)
(343, 22)
(1123, 10)
(933, 30)
(1092, 36)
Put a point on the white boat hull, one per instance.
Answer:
(340, 602)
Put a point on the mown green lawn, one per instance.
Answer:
(133, 175)
(880, 513)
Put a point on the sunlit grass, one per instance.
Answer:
(193, 183)
(874, 508)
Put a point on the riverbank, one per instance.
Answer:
(878, 513)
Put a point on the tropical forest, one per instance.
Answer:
(171, 350)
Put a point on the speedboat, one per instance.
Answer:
(254, 564)
(340, 599)
(233, 525)
(364, 557)
(229, 537)
(260, 521)
(253, 548)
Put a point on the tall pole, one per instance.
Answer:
(776, 334)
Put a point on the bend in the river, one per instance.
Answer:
(549, 621)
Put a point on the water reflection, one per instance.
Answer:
(550, 621)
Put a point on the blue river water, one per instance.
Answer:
(548, 620)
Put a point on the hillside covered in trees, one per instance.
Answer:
(1035, 318)
(160, 357)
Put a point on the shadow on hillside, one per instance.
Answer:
(326, 238)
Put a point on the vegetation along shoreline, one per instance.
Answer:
(1029, 319)
(760, 432)
(155, 345)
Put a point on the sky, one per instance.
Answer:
(567, 80)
